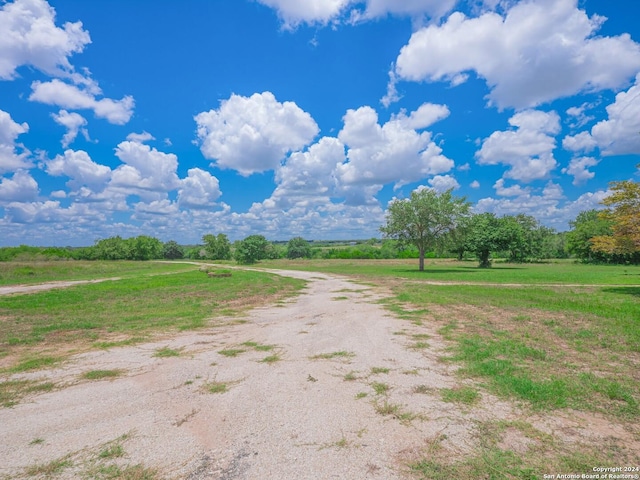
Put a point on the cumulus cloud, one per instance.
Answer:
(540, 50)
(442, 183)
(475, 184)
(80, 168)
(10, 159)
(550, 206)
(74, 123)
(294, 12)
(528, 149)
(582, 142)
(140, 137)
(512, 191)
(579, 169)
(253, 134)
(620, 133)
(413, 8)
(145, 168)
(31, 37)
(199, 190)
(393, 152)
(22, 187)
(56, 92)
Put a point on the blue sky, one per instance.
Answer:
(287, 118)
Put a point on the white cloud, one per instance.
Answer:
(74, 123)
(528, 150)
(52, 212)
(413, 8)
(30, 37)
(80, 168)
(551, 207)
(582, 142)
(295, 12)
(20, 188)
(620, 133)
(539, 51)
(56, 92)
(308, 177)
(442, 183)
(140, 137)
(156, 207)
(145, 168)
(426, 115)
(393, 152)
(578, 115)
(10, 159)
(253, 134)
(199, 190)
(475, 184)
(512, 191)
(579, 169)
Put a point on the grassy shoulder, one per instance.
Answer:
(14, 273)
(56, 323)
(448, 270)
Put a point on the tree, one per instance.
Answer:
(251, 249)
(171, 250)
(424, 219)
(298, 247)
(144, 247)
(487, 234)
(624, 215)
(587, 225)
(217, 247)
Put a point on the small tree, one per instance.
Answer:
(251, 249)
(171, 250)
(217, 247)
(424, 219)
(488, 234)
(298, 247)
(624, 215)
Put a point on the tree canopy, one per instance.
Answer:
(624, 215)
(424, 219)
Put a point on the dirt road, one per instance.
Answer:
(348, 391)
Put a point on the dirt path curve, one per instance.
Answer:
(39, 287)
(297, 418)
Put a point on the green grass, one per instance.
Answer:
(331, 355)
(17, 272)
(166, 352)
(271, 358)
(231, 352)
(101, 374)
(465, 395)
(216, 387)
(34, 363)
(378, 370)
(12, 391)
(557, 271)
(93, 314)
(380, 388)
(48, 469)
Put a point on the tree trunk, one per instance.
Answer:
(484, 259)
(421, 259)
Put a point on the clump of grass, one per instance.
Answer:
(420, 345)
(329, 356)
(340, 298)
(231, 352)
(377, 370)
(12, 391)
(166, 352)
(259, 347)
(49, 469)
(216, 387)
(116, 450)
(34, 363)
(350, 377)
(271, 358)
(422, 389)
(380, 388)
(466, 395)
(385, 408)
(360, 395)
(37, 441)
(101, 374)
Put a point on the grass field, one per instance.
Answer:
(40, 329)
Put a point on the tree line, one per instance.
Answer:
(427, 224)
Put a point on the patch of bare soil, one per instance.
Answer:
(346, 391)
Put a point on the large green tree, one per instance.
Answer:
(251, 249)
(217, 247)
(588, 224)
(624, 215)
(424, 219)
(298, 247)
(488, 234)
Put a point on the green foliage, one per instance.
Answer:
(424, 220)
(487, 234)
(587, 225)
(298, 247)
(172, 251)
(251, 249)
(217, 247)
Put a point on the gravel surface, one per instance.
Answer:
(313, 413)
